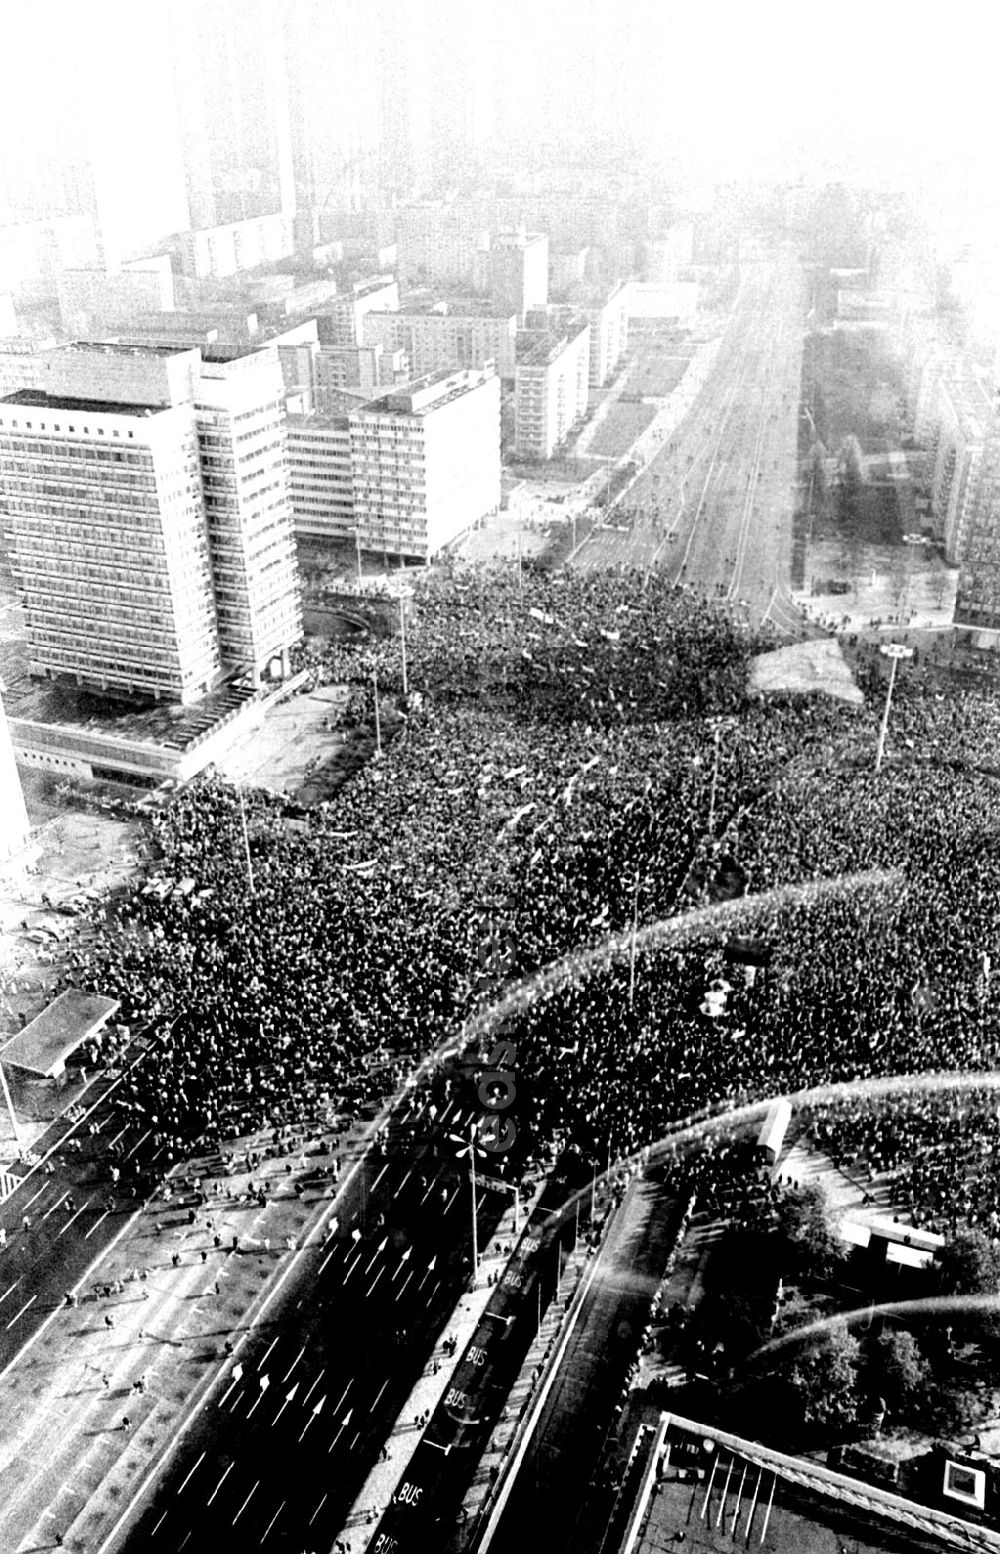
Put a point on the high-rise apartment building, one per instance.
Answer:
(104, 521)
(242, 439)
(426, 462)
(404, 474)
(608, 334)
(551, 387)
(438, 241)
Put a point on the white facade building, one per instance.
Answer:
(322, 488)
(447, 337)
(551, 389)
(243, 446)
(426, 462)
(104, 522)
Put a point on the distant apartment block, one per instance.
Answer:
(96, 299)
(977, 600)
(513, 269)
(608, 322)
(104, 522)
(437, 242)
(426, 462)
(668, 256)
(341, 321)
(551, 388)
(468, 334)
(318, 376)
(366, 369)
(963, 417)
(212, 253)
(567, 268)
(926, 359)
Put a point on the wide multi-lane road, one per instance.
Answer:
(714, 506)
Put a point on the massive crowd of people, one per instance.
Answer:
(583, 757)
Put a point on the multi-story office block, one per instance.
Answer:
(450, 335)
(426, 462)
(104, 521)
(244, 460)
(551, 387)
(319, 452)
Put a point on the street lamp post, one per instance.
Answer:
(635, 929)
(246, 842)
(894, 651)
(378, 721)
(402, 638)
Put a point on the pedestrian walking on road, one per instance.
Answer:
(109, 1319)
(126, 1423)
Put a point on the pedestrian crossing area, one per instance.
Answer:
(8, 1184)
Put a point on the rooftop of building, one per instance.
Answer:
(320, 420)
(422, 305)
(422, 395)
(540, 347)
(72, 1018)
(519, 239)
(166, 725)
(366, 287)
(38, 399)
(971, 399)
(130, 348)
(707, 1487)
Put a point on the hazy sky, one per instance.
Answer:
(908, 79)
